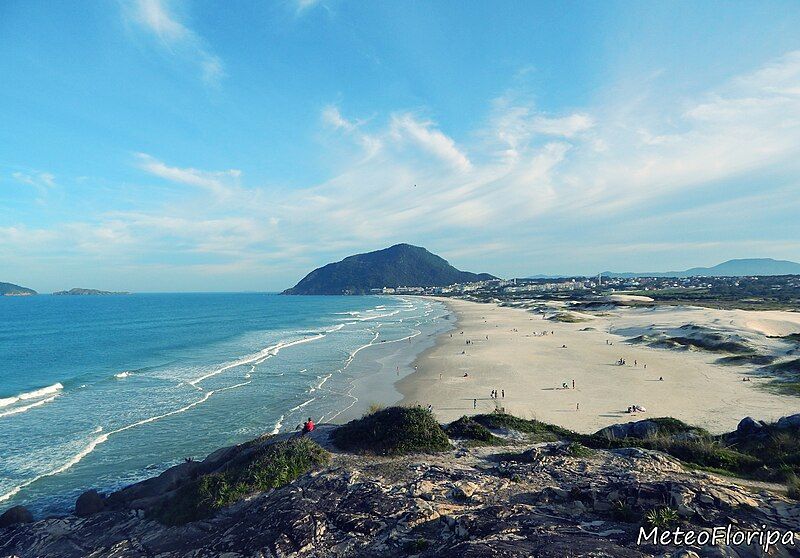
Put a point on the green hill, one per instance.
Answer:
(10, 289)
(402, 265)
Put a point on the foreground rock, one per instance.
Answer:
(518, 501)
(15, 515)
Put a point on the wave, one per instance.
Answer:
(277, 428)
(122, 375)
(18, 410)
(90, 447)
(301, 405)
(256, 358)
(31, 394)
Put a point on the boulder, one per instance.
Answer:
(792, 421)
(89, 503)
(15, 515)
(640, 429)
(748, 425)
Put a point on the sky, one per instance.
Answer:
(156, 145)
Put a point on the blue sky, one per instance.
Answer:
(191, 145)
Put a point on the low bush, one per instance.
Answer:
(467, 429)
(393, 431)
(272, 467)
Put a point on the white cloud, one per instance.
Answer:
(526, 189)
(156, 17)
(425, 135)
(221, 183)
(38, 180)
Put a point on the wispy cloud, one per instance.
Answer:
(531, 190)
(221, 183)
(156, 17)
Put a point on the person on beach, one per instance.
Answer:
(474, 403)
(308, 426)
(577, 406)
(504, 393)
(573, 384)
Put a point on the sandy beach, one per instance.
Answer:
(504, 349)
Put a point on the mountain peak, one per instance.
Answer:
(400, 265)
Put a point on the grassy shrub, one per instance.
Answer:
(661, 517)
(576, 449)
(566, 317)
(273, 467)
(793, 487)
(467, 429)
(393, 431)
(539, 431)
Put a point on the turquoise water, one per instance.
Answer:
(104, 391)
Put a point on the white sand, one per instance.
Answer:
(531, 368)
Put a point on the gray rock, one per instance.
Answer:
(89, 503)
(748, 425)
(640, 429)
(15, 515)
(792, 421)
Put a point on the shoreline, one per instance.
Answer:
(532, 369)
(379, 368)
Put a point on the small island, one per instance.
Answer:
(10, 289)
(89, 292)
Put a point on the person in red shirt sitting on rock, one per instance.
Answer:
(308, 426)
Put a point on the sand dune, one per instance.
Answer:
(532, 368)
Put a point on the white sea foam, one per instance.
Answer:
(90, 447)
(122, 375)
(256, 358)
(35, 394)
(301, 405)
(17, 410)
(277, 428)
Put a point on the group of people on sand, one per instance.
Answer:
(565, 385)
(746, 379)
(622, 362)
(494, 393)
(636, 409)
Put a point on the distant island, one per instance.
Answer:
(730, 268)
(401, 265)
(10, 289)
(88, 292)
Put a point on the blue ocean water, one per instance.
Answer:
(104, 391)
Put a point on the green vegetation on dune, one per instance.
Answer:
(567, 317)
(754, 359)
(466, 428)
(393, 431)
(272, 467)
(538, 431)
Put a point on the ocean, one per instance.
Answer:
(102, 391)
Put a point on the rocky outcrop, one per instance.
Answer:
(515, 501)
(639, 429)
(16, 515)
(89, 503)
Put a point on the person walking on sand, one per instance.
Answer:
(504, 393)
(474, 403)
(573, 384)
(577, 406)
